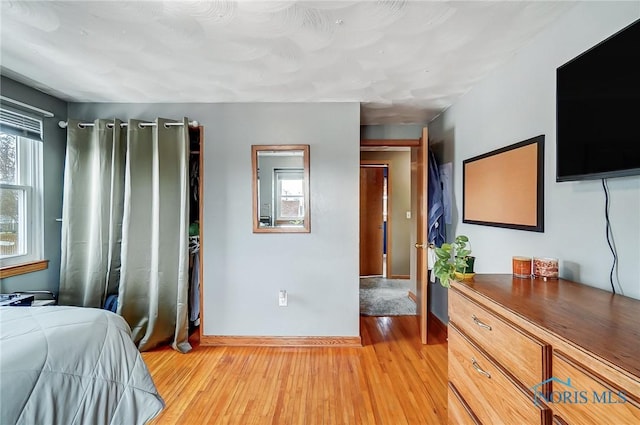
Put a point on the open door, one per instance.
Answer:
(422, 175)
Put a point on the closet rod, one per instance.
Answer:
(63, 124)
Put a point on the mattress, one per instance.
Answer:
(72, 365)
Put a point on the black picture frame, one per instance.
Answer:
(505, 187)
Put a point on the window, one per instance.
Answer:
(21, 216)
(289, 195)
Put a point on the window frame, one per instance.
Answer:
(29, 180)
(278, 195)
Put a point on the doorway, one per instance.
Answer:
(415, 216)
(397, 224)
(374, 225)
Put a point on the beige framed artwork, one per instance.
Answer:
(505, 187)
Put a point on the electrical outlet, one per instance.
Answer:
(282, 298)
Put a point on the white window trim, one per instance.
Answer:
(277, 191)
(30, 168)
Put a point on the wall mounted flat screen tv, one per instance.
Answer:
(598, 110)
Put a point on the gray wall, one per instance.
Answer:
(400, 202)
(53, 175)
(243, 271)
(516, 103)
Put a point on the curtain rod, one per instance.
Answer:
(63, 124)
(27, 106)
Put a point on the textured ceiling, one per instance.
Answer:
(404, 61)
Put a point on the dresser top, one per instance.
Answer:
(605, 324)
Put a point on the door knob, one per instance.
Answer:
(419, 245)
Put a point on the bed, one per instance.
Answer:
(72, 366)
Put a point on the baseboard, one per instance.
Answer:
(413, 297)
(438, 323)
(399, 276)
(433, 319)
(281, 341)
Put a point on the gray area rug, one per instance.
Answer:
(385, 297)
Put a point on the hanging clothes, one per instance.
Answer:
(194, 290)
(435, 202)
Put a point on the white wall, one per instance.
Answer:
(517, 103)
(243, 271)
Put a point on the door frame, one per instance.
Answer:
(422, 240)
(387, 164)
(419, 147)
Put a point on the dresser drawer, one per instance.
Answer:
(459, 412)
(582, 397)
(495, 398)
(524, 356)
(558, 421)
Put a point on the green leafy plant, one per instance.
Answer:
(452, 258)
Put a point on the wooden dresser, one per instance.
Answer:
(528, 351)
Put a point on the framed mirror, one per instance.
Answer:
(280, 184)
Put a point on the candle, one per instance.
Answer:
(521, 266)
(545, 268)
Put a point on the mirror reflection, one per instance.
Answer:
(280, 188)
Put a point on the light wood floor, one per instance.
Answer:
(391, 380)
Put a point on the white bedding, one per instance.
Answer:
(72, 366)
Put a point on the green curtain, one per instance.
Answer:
(153, 295)
(92, 212)
(125, 226)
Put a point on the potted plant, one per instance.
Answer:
(454, 260)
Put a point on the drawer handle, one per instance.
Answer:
(478, 369)
(480, 323)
